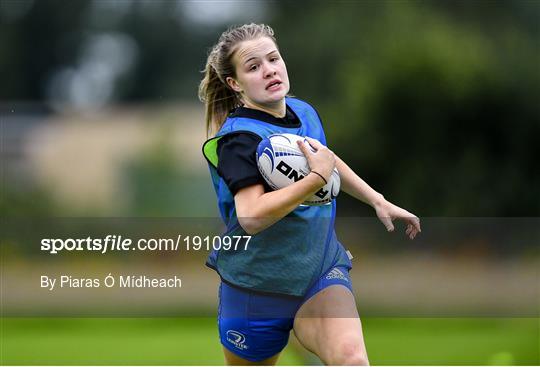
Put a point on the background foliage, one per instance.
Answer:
(434, 103)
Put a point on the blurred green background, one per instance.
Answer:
(434, 103)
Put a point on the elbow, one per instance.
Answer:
(251, 226)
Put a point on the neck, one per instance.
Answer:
(278, 109)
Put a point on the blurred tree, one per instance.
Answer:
(33, 45)
(438, 113)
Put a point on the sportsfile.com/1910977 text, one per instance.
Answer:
(119, 243)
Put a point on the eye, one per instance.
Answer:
(253, 67)
(274, 59)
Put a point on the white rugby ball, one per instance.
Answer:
(281, 163)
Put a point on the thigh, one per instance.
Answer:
(248, 335)
(329, 326)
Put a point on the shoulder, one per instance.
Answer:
(241, 124)
(235, 141)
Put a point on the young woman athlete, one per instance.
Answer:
(294, 274)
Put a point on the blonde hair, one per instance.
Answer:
(218, 97)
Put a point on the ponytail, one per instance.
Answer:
(218, 98)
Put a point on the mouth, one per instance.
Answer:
(274, 84)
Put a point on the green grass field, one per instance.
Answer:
(181, 341)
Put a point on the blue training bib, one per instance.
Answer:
(290, 255)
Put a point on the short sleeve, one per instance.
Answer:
(237, 160)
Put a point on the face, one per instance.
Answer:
(261, 74)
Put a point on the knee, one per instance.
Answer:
(349, 354)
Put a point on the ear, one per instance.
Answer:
(233, 84)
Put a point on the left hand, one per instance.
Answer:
(387, 212)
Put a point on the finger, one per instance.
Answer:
(415, 232)
(414, 221)
(314, 143)
(303, 148)
(387, 221)
(416, 224)
(409, 229)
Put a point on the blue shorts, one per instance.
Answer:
(256, 326)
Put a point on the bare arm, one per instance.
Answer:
(353, 185)
(257, 210)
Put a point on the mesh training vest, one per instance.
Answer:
(287, 257)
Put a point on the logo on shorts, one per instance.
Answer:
(336, 274)
(237, 339)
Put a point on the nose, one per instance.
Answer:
(269, 70)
